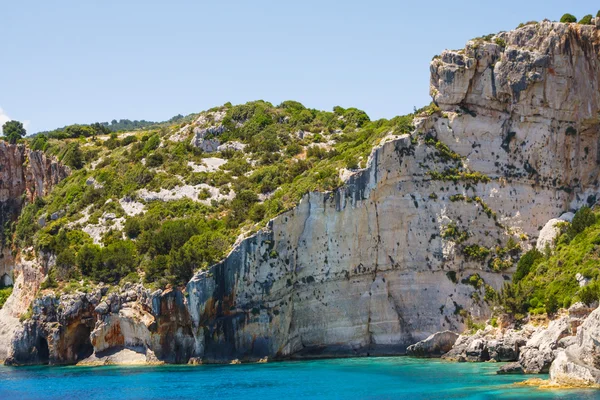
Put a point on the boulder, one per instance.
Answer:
(510, 368)
(434, 346)
(540, 350)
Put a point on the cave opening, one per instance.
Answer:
(81, 343)
(42, 350)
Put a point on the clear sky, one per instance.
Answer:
(83, 61)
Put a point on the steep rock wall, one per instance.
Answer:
(364, 270)
(24, 175)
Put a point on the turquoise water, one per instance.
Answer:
(360, 378)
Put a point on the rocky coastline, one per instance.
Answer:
(390, 263)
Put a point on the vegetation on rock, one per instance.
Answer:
(147, 206)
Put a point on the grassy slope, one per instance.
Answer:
(174, 238)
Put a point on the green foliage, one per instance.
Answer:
(13, 131)
(73, 156)
(584, 218)
(4, 294)
(526, 263)
(476, 252)
(546, 282)
(500, 42)
(586, 20)
(39, 143)
(171, 240)
(568, 18)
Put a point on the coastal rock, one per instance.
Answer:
(579, 363)
(489, 344)
(24, 176)
(540, 350)
(434, 346)
(510, 368)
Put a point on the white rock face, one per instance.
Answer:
(551, 230)
(365, 269)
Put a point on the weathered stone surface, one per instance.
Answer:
(490, 344)
(551, 230)
(540, 350)
(510, 368)
(24, 176)
(433, 346)
(579, 363)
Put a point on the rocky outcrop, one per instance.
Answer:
(24, 176)
(579, 363)
(102, 327)
(434, 346)
(531, 349)
(490, 344)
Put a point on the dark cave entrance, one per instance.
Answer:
(81, 343)
(42, 350)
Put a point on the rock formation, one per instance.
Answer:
(434, 346)
(24, 176)
(405, 248)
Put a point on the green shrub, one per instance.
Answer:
(526, 263)
(476, 252)
(584, 217)
(586, 20)
(588, 294)
(568, 18)
(4, 294)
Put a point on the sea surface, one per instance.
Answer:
(357, 378)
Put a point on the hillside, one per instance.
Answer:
(141, 204)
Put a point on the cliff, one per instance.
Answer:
(24, 176)
(408, 246)
(365, 269)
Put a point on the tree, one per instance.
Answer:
(73, 157)
(13, 130)
(568, 18)
(586, 20)
(583, 218)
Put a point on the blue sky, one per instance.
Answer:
(83, 61)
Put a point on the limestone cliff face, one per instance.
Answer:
(24, 175)
(406, 247)
(364, 270)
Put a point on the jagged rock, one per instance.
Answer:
(540, 350)
(435, 345)
(477, 351)
(581, 280)
(207, 145)
(489, 344)
(510, 368)
(233, 145)
(579, 363)
(508, 347)
(102, 308)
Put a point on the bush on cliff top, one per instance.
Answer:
(568, 18)
(586, 20)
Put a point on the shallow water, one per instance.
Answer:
(358, 378)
